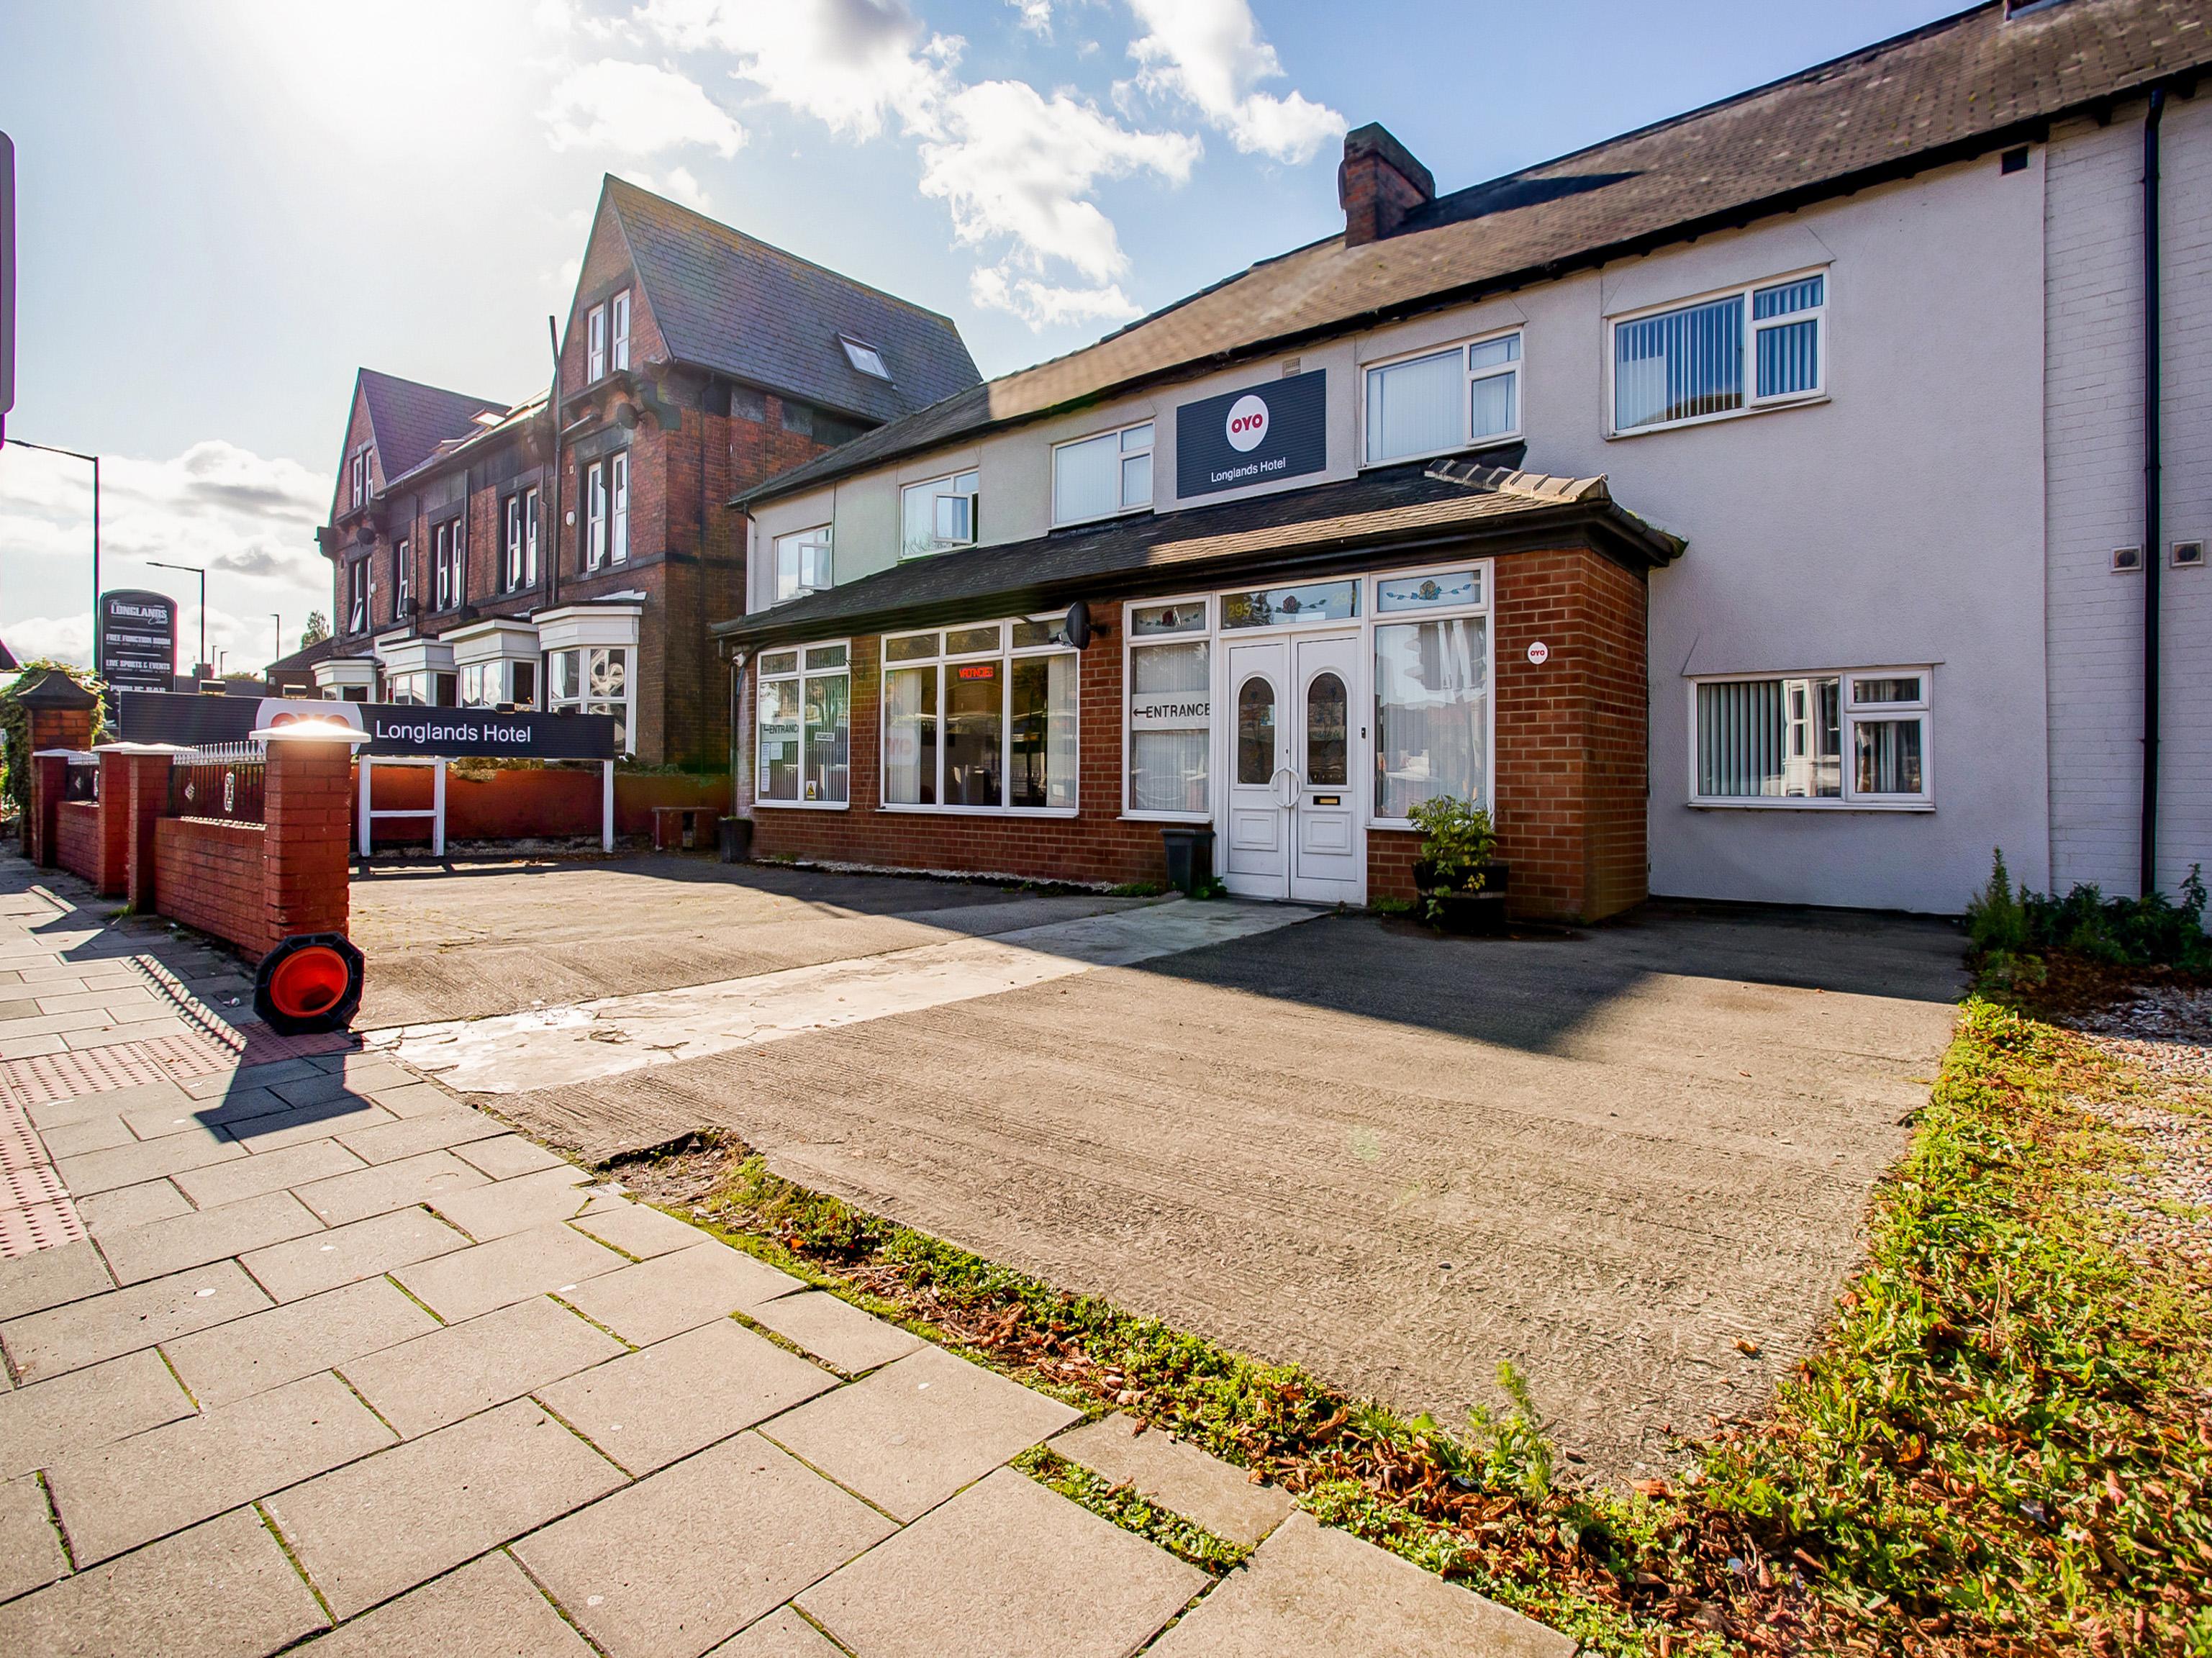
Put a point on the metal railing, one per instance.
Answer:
(222, 781)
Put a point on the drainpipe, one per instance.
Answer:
(2153, 532)
(740, 749)
(551, 573)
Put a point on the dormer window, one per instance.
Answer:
(865, 357)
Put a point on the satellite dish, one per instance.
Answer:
(1077, 628)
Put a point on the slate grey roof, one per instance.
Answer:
(1951, 90)
(1336, 524)
(407, 419)
(305, 657)
(729, 302)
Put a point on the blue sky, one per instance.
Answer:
(227, 206)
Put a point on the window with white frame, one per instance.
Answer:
(403, 575)
(521, 568)
(1445, 400)
(618, 508)
(595, 344)
(865, 357)
(358, 487)
(802, 562)
(595, 515)
(503, 684)
(1835, 739)
(1170, 710)
(982, 718)
(357, 596)
(618, 331)
(594, 679)
(803, 725)
(1761, 345)
(445, 572)
(939, 514)
(1433, 675)
(1097, 476)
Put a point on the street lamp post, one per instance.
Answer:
(48, 449)
(199, 570)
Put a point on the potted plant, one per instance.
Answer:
(1462, 885)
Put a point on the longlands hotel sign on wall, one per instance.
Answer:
(1279, 429)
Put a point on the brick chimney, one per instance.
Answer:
(1378, 184)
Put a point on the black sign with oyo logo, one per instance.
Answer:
(1258, 436)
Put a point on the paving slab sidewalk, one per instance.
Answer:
(330, 1353)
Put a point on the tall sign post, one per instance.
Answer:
(137, 645)
(7, 280)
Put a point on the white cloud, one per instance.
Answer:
(1041, 304)
(1014, 164)
(1036, 16)
(637, 109)
(678, 183)
(851, 64)
(1210, 54)
(249, 519)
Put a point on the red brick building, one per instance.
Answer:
(478, 561)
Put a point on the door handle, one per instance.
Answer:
(1286, 783)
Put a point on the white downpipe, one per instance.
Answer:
(607, 808)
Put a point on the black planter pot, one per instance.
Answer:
(1459, 911)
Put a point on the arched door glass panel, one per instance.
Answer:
(1256, 732)
(1327, 752)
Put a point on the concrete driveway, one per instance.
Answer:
(1617, 1160)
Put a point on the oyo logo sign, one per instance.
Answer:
(1247, 423)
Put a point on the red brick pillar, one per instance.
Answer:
(49, 781)
(115, 866)
(306, 814)
(144, 800)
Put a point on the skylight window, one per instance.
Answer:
(865, 358)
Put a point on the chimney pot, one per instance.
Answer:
(1378, 184)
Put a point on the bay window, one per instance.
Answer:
(803, 725)
(1432, 710)
(1445, 400)
(1170, 710)
(802, 563)
(1835, 739)
(593, 679)
(503, 684)
(1689, 362)
(1099, 476)
(980, 718)
(939, 514)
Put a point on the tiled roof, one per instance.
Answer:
(726, 301)
(408, 420)
(1949, 90)
(1168, 552)
(305, 657)
(477, 435)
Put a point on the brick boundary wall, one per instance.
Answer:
(208, 875)
(250, 883)
(76, 839)
(1570, 768)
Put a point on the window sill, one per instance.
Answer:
(1782, 804)
(1188, 819)
(1773, 407)
(804, 805)
(1062, 813)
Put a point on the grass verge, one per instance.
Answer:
(2002, 1445)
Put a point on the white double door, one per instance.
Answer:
(1292, 827)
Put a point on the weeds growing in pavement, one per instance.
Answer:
(1129, 1509)
(2002, 1445)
